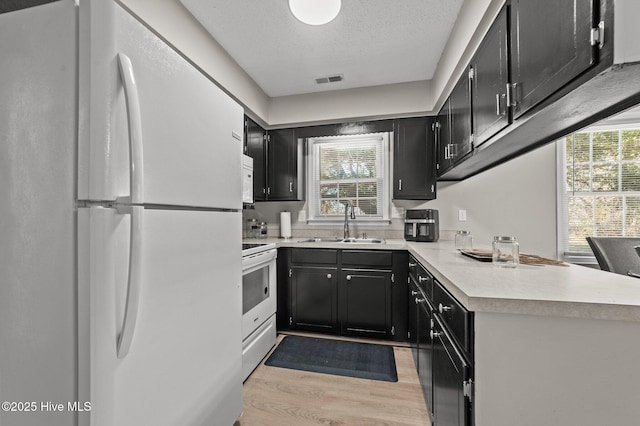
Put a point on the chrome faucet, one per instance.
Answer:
(346, 218)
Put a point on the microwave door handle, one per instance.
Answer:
(132, 101)
(134, 281)
(415, 230)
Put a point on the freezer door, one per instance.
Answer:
(151, 125)
(184, 365)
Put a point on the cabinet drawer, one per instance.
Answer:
(369, 258)
(314, 256)
(456, 318)
(421, 277)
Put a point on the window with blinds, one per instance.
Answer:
(601, 175)
(349, 169)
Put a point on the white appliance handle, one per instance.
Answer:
(132, 304)
(136, 175)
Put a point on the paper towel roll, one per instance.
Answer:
(285, 224)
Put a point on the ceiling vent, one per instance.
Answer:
(330, 79)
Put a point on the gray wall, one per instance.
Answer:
(517, 198)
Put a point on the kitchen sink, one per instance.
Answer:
(364, 240)
(343, 240)
(321, 240)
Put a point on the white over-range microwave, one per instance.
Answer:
(247, 179)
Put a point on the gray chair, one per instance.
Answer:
(617, 254)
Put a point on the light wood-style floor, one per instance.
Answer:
(279, 397)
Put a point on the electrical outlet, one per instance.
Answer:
(462, 215)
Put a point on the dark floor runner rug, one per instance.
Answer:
(352, 359)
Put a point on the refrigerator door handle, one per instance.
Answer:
(136, 175)
(125, 337)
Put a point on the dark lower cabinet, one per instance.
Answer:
(314, 296)
(451, 375)
(366, 303)
(425, 351)
(349, 292)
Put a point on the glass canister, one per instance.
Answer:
(464, 240)
(251, 228)
(506, 252)
(262, 230)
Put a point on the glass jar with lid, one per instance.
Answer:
(464, 240)
(506, 252)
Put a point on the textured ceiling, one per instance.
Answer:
(370, 43)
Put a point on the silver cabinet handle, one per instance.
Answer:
(329, 276)
(132, 103)
(419, 300)
(290, 186)
(414, 293)
(399, 184)
(348, 277)
(442, 308)
(422, 279)
(498, 104)
(412, 265)
(434, 334)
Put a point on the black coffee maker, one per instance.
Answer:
(421, 225)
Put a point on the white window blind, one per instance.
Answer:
(349, 169)
(601, 175)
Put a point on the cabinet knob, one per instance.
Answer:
(442, 308)
(329, 276)
(348, 277)
(412, 265)
(422, 279)
(414, 293)
(434, 334)
(419, 300)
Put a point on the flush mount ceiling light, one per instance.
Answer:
(315, 12)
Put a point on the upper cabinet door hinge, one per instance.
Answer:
(467, 389)
(597, 35)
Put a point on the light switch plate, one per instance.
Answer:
(462, 215)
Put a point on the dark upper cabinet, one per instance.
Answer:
(550, 46)
(414, 162)
(453, 128)
(255, 138)
(442, 134)
(284, 166)
(461, 139)
(490, 66)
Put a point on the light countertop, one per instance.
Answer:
(561, 291)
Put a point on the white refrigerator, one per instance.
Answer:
(120, 226)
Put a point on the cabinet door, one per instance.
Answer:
(490, 78)
(414, 172)
(412, 315)
(550, 46)
(282, 175)
(255, 143)
(450, 371)
(460, 98)
(442, 133)
(366, 306)
(283, 312)
(314, 298)
(425, 350)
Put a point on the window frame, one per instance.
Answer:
(562, 222)
(312, 180)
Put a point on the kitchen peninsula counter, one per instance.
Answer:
(552, 345)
